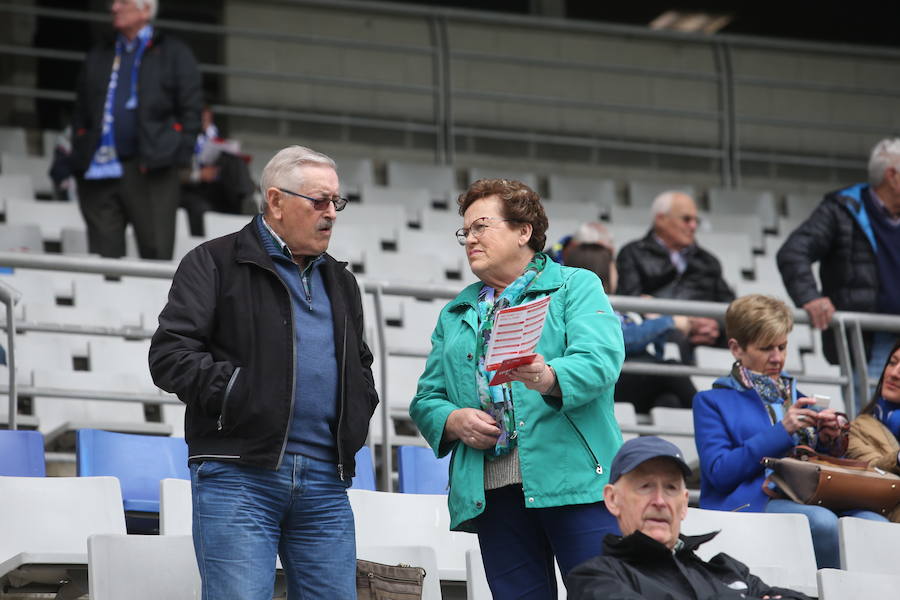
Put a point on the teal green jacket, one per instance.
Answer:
(565, 444)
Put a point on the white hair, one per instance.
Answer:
(153, 5)
(282, 165)
(662, 204)
(886, 153)
(593, 233)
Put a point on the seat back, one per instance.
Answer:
(836, 584)
(415, 556)
(22, 454)
(420, 472)
(57, 514)
(365, 470)
(139, 461)
(142, 567)
(175, 507)
(868, 546)
(776, 547)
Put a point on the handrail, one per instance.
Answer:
(10, 297)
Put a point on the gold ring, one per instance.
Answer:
(536, 378)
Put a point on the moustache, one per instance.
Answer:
(325, 225)
(657, 516)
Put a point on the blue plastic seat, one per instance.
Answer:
(22, 453)
(365, 470)
(139, 461)
(420, 472)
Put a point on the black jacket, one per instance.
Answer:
(225, 346)
(170, 99)
(835, 235)
(645, 268)
(637, 567)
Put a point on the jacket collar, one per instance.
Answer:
(249, 248)
(853, 201)
(730, 383)
(550, 280)
(641, 547)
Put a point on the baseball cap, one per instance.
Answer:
(640, 450)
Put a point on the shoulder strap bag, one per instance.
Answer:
(377, 581)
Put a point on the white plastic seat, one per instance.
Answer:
(175, 507)
(868, 546)
(35, 167)
(414, 556)
(72, 316)
(142, 567)
(21, 238)
(572, 188)
(418, 268)
(583, 212)
(745, 202)
(388, 519)
(835, 584)
(438, 243)
(439, 180)
(46, 522)
(526, 177)
(776, 547)
(413, 200)
(12, 139)
(50, 216)
(642, 193)
(16, 187)
(353, 173)
(800, 206)
(403, 377)
(216, 224)
(679, 421)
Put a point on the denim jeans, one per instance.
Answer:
(244, 515)
(518, 544)
(823, 524)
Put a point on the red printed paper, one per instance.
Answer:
(514, 337)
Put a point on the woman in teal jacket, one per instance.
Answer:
(530, 457)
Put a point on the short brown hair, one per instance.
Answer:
(593, 257)
(520, 204)
(758, 319)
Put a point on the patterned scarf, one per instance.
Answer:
(776, 395)
(105, 164)
(889, 415)
(497, 400)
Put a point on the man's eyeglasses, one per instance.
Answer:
(477, 228)
(687, 219)
(320, 203)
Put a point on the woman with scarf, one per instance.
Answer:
(757, 411)
(529, 457)
(874, 434)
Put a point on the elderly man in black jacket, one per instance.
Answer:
(651, 560)
(854, 235)
(262, 339)
(136, 116)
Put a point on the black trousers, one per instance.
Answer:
(147, 201)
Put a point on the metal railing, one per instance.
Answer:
(726, 146)
(849, 324)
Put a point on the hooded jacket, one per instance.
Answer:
(838, 235)
(637, 567)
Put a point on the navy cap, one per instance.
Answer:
(639, 450)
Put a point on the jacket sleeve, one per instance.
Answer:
(727, 462)
(180, 361)
(594, 350)
(756, 587)
(863, 445)
(189, 102)
(431, 405)
(807, 244)
(629, 274)
(595, 580)
(638, 335)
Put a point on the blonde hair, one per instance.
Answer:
(758, 319)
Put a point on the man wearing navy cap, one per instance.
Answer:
(651, 560)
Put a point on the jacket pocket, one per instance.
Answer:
(598, 468)
(222, 422)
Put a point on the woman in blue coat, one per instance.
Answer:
(756, 411)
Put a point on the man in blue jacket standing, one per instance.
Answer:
(854, 235)
(136, 116)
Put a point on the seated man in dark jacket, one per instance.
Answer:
(651, 560)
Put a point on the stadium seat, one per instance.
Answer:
(476, 580)
(22, 454)
(419, 472)
(388, 519)
(414, 556)
(175, 507)
(582, 212)
(12, 139)
(526, 177)
(413, 200)
(46, 522)
(776, 547)
(868, 546)
(626, 416)
(365, 470)
(747, 202)
(800, 206)
(679, 421)
(216, 224)
(354, 173)
(140, 462)
(572, 188)
(15, 187)
(142, 567)
(35, 167)
(21, 238)
(439, 180)
(836, 584)
(50, 216)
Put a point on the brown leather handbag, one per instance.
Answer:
(377, 581)
(810, 477)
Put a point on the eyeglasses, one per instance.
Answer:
(477, 228)
(687, 219)
(320, 203)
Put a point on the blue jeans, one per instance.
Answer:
(244, 515)
(823, 524)
(518, 544)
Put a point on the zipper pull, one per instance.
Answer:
(341, 471)
(219, 423)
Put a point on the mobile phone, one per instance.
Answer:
(821, 401)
